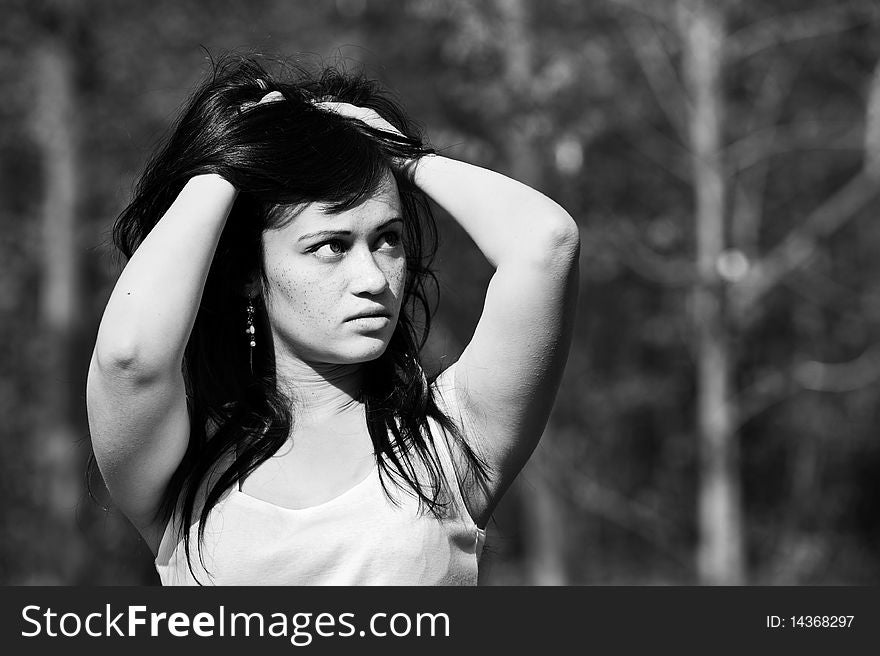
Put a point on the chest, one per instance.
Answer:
(316, 464)
(359, 539)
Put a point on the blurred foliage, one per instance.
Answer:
(605, 115)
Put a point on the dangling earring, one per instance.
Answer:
(250, 332)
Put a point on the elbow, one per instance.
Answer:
(567, 235)
(114, 358)
(124, 352)
(560, 240)
(122, 363)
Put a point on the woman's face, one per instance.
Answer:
(325, 272)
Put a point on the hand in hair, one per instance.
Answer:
(272, 96)
(371, 118)
(364, 114)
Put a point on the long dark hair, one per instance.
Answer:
(281, 155)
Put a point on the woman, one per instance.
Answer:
(255, 387)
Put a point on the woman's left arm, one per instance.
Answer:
(506, 378)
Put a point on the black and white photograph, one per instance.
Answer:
(440, 293)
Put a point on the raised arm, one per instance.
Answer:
(135, 392)
(507, 377)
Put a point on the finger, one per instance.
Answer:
(272, 96)
(338, 107)
(367, 116)
(346, 109)
(269, 97)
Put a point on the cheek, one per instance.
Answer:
(396, 277)
(297, 298)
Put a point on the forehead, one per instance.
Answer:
(378, 207)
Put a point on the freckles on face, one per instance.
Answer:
(302, 298)
(324, 270)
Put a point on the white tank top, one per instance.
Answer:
(356, 538)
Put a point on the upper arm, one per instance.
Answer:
(140, 430)
(506, 379)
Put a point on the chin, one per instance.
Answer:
(364, 350)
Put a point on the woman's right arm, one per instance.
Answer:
(135, 391)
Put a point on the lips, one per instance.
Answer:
(370, 314)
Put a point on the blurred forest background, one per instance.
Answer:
(718, 419)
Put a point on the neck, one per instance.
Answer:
(319, 391)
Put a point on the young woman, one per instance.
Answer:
(255, 388)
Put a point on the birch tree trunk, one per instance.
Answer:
(720, 552)
(57, 486)
(544, 525)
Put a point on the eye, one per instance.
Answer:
(329, 249)
(389, 239)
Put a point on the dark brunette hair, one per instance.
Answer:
(278, 155)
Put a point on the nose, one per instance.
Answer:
(367, 277)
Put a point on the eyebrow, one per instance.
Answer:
(325, 234)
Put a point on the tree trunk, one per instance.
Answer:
(720, 558)
(543, 518)
(57, 488)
